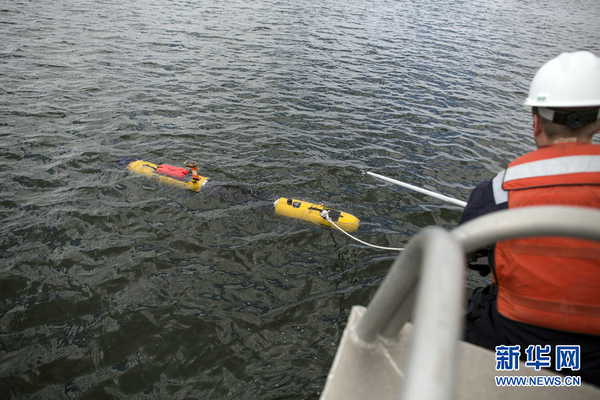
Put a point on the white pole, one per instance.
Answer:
(447, 199)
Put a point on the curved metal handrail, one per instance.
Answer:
(576, 222)
(430, 371)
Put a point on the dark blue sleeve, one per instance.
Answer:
(481, 202)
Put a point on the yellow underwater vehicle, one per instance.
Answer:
(188, 178)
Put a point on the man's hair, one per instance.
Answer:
(556, 131)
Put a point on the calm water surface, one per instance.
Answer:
(113, 286)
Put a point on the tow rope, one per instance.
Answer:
(325, 214)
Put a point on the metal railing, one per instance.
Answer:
(435, 260)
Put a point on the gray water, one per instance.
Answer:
(114, 286)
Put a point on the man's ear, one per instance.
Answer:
(537, 126)
(539, 134)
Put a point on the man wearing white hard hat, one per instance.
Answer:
(546, 291)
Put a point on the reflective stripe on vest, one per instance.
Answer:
(559, 164)
(500, 195)
(563, 169)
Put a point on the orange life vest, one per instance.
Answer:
(551, 281)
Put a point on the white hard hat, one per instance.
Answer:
(568, 81)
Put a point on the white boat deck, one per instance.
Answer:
(376, 372)
(383, 356)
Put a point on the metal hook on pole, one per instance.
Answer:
(442, 197)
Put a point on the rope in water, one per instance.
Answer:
(460, 203)
(325, 214)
